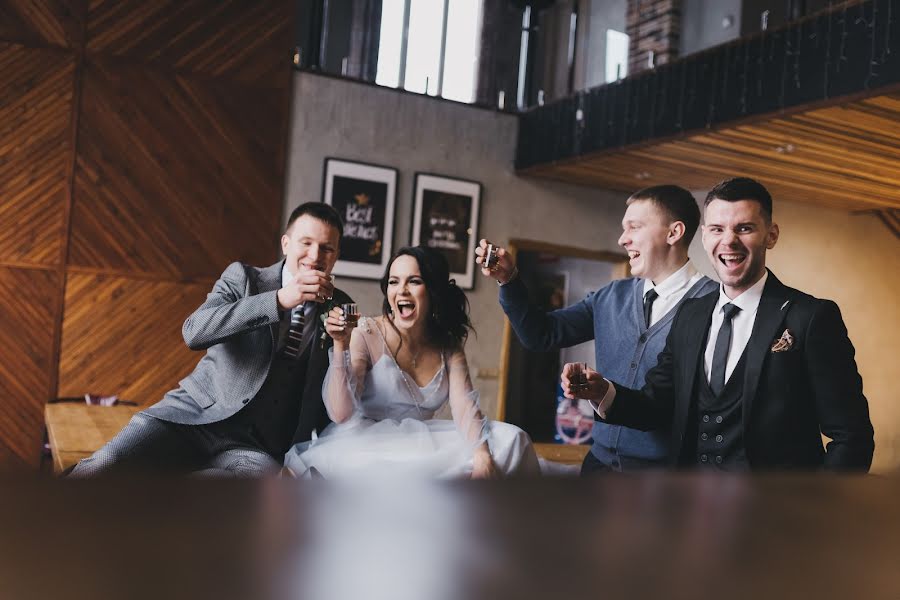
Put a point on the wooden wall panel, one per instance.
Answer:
(142, 148)
(28, 309)
(35, 130)
(174, 177)
(238, 40)
(42, 22)
(123, 336)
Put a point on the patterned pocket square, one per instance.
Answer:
(784, 343)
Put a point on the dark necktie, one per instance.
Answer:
(720, 354)
(295, 332)
(649, 297)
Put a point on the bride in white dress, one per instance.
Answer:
(391, 374)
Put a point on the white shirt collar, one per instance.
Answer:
(286, 276)
(673, 283)
(747, 301)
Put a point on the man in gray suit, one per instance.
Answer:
(258, 388)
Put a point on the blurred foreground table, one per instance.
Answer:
(650, 536)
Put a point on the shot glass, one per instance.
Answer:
(578, 378)
(490, 258)
(351, 313)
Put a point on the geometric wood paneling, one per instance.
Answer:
(123, 336)
(35, 150)
(180, 129)
(175, 177)
(845, 156)
(248, 42)
(28, 311)
(42, 22)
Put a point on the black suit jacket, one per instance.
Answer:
(789, 397)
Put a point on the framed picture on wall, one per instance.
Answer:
(445, 217)
(365, 196)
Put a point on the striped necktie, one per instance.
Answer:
(295, 332)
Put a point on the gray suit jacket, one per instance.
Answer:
(238, 327)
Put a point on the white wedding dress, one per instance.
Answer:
(393, 432)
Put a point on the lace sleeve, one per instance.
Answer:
(464, 400)
(344, 380)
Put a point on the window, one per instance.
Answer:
(616, 55)
(389, 43)
(430, 47)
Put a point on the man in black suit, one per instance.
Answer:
(753, 374)
(258, 388)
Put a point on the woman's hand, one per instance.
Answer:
(483, 465)
(338, 328)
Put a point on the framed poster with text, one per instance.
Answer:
(365, 196)
(445, 217)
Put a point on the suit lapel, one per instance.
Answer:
(773, 307)
(692, 353)
(315, 372)
(317, 358)
(270, 280)
(318, 327)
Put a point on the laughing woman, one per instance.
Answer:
(390, 375)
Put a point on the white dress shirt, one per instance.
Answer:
(671, 290)
(741, 325)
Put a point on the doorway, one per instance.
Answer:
(529, 393)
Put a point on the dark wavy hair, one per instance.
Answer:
(448, 325)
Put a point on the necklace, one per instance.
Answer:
(415, 357)
(412, 396)
(403, 375)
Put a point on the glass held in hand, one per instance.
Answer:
(578, 378)
(490, 261)
(351, 313)
(322, 295)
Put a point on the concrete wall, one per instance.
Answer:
(703, 24)
(853, 260)
(344, 119)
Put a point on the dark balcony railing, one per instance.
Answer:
(849, 51)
